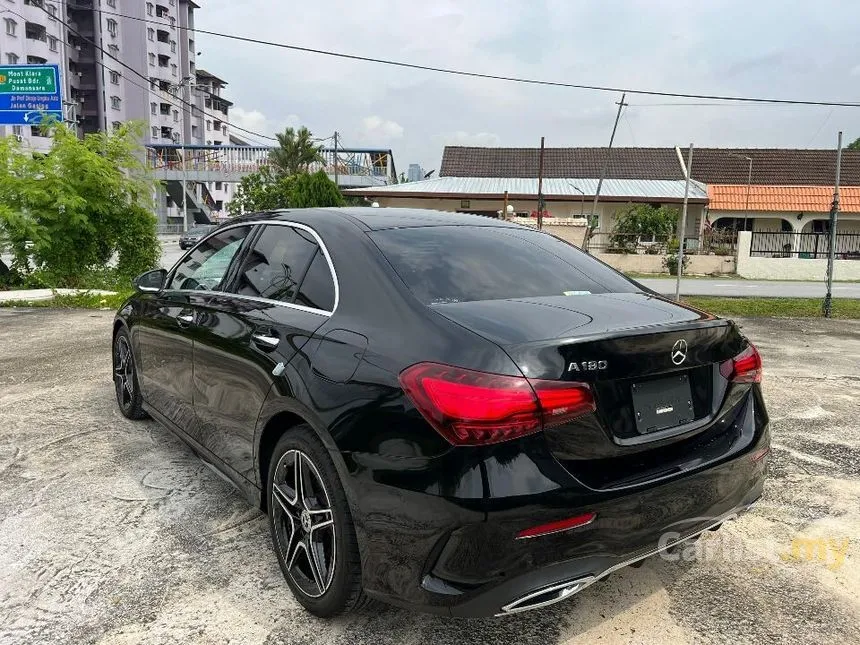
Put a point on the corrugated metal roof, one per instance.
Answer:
(644, 189)
(781, 199)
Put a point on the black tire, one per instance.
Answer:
(125, 380)
(337, 589)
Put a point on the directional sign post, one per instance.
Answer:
(29, 93)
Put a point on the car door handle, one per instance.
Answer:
(266, 341)
(185, 318)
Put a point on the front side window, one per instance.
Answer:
(206, 266)
(276, 265)
(447, 264)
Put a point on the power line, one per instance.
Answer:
(496, 77)
(145, 78)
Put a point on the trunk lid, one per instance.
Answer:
(653, 364)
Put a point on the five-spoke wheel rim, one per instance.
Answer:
(123, 371)
(304, 523)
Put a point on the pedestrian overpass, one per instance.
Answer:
(352, 167)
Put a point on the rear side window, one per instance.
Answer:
(443, 264)
(317, 288)
(276, 264)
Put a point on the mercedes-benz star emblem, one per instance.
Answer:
(679, 351)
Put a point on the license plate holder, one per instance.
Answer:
(662, 403)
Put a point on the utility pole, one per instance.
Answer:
(540, 187)
(688, 169)
(335, 160)
(834, 215)
(589, 230)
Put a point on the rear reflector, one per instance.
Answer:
(472, 408)
(743, 368)
(557, 527)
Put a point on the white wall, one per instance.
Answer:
(793, 268)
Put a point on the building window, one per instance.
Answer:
(224, 130)
(154, 130)
(176, 116)
(115, 102)
(114, 77)
(172, 22)
(152, 59)
(208, 125)
(173, 46)
(173, 68)
(33, 31)
(113, 49)
(150, 33)
(116, 125)
(111, 3)
(53, 43)
(149, 8)
(172, 2)
(153, 108)
(36, 60)
(194, 130)
(11, 58)
(111, 27)
(11, 26)
(217, 185)
(465, 203)
(18, 130)
(168, 201)
(52, 11)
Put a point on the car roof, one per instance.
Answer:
(375, 219)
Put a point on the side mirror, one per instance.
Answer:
(151, 281)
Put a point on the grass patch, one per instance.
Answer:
(85, 300)
(846, 308)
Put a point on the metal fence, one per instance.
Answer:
(169, 229)
(767, 244)
(715, 242)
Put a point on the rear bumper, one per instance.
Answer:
(445, 560)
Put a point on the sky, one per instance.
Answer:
(769, 48)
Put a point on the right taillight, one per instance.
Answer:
(471, 408)
(743, 368)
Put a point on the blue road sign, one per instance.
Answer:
(29, 93)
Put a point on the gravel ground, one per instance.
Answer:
(111, 531)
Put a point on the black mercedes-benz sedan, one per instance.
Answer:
(442, 411)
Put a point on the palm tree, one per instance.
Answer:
(296, 151)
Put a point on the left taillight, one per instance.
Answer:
(743, 368)
(471, 408)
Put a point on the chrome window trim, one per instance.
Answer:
(289, 305)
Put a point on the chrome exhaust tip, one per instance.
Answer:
(546, 596)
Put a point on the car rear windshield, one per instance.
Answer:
(444, 264)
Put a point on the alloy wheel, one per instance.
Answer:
(123, 371)
(304, 523)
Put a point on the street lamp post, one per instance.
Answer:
(581, 200)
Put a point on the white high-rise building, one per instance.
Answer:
(142, 69)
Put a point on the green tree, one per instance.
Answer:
(315, 191)
(854, 145)
(643, 223)
(68, 213)
(263, 190)
(296, 151)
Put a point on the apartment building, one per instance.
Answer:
(31, 34)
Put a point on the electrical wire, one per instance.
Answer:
(145, 78)
(496, 77)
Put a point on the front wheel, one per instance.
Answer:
(125, 378)
(312, 529)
